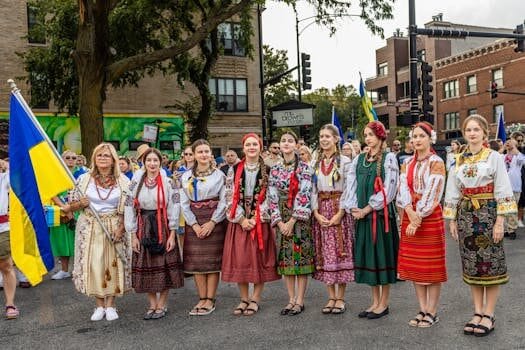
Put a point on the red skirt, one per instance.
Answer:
(421, 257)
(243, 261)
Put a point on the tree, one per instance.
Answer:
(97, 44)
(276, 62)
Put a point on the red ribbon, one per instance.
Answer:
(293, 189)
(161, 207)
(237, 188)
(378, 187)
(258, 223)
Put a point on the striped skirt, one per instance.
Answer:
(421, 257)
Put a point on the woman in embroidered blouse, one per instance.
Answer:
(478, 197)
(373, 187)
(98, 270)
(289, 192)
(249, 247)
(152, 212)
(333, 228)
(422, 241)
(455, 147)
(204, 209)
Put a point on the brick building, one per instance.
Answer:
(463, 82)
(390, 88)
(235, 83)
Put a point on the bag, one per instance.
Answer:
(152, 245)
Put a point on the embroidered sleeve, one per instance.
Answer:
(76, 193)
(229, 187)
(434, 185)
(351, 185)
(130, 214)
(189, 217)
(345, 174)
(452, 194)
(273, 196)
(502, 187)
(220, 212)
(173, 205)
(389, 183)
(403, 198)
(302, 207)
(124, 190)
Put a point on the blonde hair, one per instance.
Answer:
(66, 152)
(307, 150)
(112, 151)
(482, 122)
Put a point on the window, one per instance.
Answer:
(452, 121)
(38, 88)
(382, 69)
(498, 109)
(472, 85)
(373, 96)
(497, 76)
(406, 90)
(451, 89)
(229, 38)
(472, 111)
(231, 95)
(385, 120)
(34, 35)
(422, 55)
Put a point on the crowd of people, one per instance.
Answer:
(340, 214)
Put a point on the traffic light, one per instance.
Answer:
(493, 90)
(273, 129)
(520, 45)
(306, 71)
(426, 90)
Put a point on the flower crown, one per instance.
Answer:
(428, 130)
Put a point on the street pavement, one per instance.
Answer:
(55, 316)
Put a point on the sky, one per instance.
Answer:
(339, 59)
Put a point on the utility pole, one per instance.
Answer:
(264, 123)
(412, 28)
(298, 54)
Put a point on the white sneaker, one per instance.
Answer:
(60, 275)
(520, 223)
(111, 314)
(99, 314)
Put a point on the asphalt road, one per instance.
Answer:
(55, 316)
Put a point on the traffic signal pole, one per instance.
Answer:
(298, 54)
(412, 28)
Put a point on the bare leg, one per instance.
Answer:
(64, 262)
(8, 273)
(255, 299)
(152, 299)
(163, 299)
(212, 281)
(434, 292)
(492, 294)
(100, 302)
(422, 296)
(302, 282)
(376, 297)
(340, 295)
(384, 300)
(244, 294)
(110, 302)
(477, 299)
(201, 284)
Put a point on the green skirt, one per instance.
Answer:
(62, 240)
(376, 263)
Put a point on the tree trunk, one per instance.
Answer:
(91, 122)
(199, 128)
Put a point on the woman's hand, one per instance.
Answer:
(411, 230)
(336, 219)
(197, 229)
(135, 244)
(498, 230)
(453, 228)
(415, 220)
(323, 221)
(170, 244)
(207, 228)
(84, 202)
(117, 235)
(247, 225)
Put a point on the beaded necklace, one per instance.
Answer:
(105, 182)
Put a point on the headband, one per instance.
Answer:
(427, 129)
(254, 135)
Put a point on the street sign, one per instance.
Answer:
(177, 146)
(150, 133)
(293, 117)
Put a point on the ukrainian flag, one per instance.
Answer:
(36, 174)
(366, 103)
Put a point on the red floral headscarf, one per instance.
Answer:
(378, 129)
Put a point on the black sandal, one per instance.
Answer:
(287, 309)
(339, 310)
(250, 311)
(195, 310)
(415, 321)
(428, 321)
(471, 325)
(203, 311)
(296, 310)
(486, 330)
(240, 310)
(328, 309)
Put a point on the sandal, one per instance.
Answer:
(159, 313)
(486, 330)
(11, 312)
(148, 314)
(415, 321)
(339, 309)
(250, 311)
(195, 310)
(328, 309)
(203, 311)
(238, 311)
(428, 321)
(471, 325)
(296, 310)
(287, 309)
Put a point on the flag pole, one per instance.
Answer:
(18, 95)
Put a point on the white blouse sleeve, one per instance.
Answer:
(502, 187)
(351, 185)
(403, 198)
(345, 175)
(452, 195)
(433, 191)
(173, 206)
(389, 183)
(220, 212)
(189, 217)
(228, 198)
(273, 197)
(130, 214)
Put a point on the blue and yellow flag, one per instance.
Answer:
(366, 103)
(36, 174)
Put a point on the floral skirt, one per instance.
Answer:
(483, 260)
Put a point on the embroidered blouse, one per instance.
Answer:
(202, 189)
(327, 183)
(148, 201)
(428, 185)
(250, 182)
(472, 171)
(514, 162)
(390, 182)
(279, 185)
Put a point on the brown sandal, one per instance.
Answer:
(328, 309)
(238, 311)
(250, 311)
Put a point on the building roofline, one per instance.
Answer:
(492, 47)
